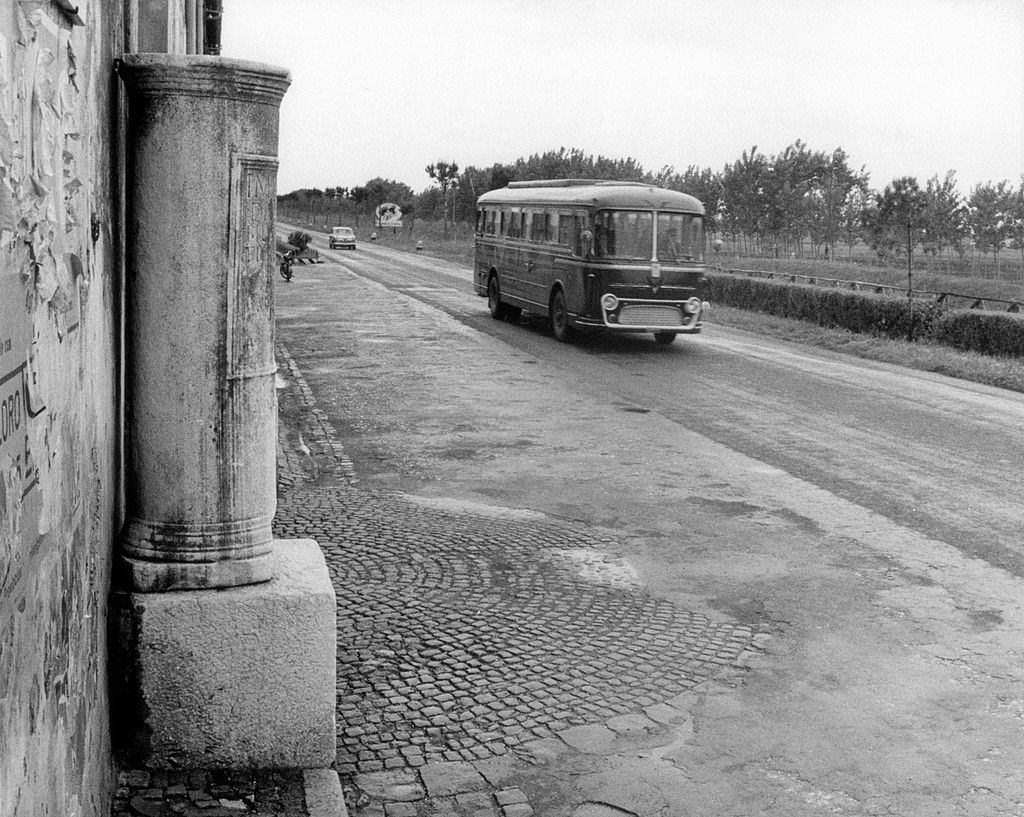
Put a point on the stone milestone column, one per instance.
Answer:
(226, 636)
(201, 405)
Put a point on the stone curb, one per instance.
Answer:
(329, 436)
(324, 797)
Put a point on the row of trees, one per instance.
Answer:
(765, 204)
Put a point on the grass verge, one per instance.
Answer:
(1002, 372)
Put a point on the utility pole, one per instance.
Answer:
(910, 281)
(445, 174)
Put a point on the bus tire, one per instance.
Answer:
(664, 338)
(558, 317)
(497, 309)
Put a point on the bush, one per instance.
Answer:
(857, 311)
(990, 333)
(299, 239)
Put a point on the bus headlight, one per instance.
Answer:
(692, 306)
(609, 302)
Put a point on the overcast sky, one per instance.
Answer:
(384, 88)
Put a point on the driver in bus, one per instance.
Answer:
(600, 239)
(586, 243)
(668, 245)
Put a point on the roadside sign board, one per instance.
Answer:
(388, 215)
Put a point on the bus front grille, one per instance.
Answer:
(650, 315)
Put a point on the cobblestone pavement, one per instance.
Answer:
(472, 639)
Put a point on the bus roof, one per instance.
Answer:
(593, 193)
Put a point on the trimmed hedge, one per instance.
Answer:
(972, 330)
(858, 311)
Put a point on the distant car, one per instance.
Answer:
(342, 237)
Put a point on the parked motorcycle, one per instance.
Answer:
(287, 260)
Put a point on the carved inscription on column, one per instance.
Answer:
(250, 322)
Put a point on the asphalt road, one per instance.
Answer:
(866, 519)
(935, 454)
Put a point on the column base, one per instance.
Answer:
(242, 677)
(146, 576)
(159, 556)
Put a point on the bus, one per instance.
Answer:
(588, 254)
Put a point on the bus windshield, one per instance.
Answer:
(629, 235)
(680, 237)
(623, 234)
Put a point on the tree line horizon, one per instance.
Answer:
(763, 203)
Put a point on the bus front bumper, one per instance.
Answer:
(634, 315)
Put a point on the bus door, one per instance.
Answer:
(502, 252)
(538, 271)
(494, 225)
(569, 265)
(488, 242)
(511, 269)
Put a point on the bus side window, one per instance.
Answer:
(576, 229)
(480, 220)
(566, 235)
(539, 228)
(553, 227)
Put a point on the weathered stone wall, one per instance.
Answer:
(59, 421)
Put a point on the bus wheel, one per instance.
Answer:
(497, 308)
(664, 338)
(559, 315)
